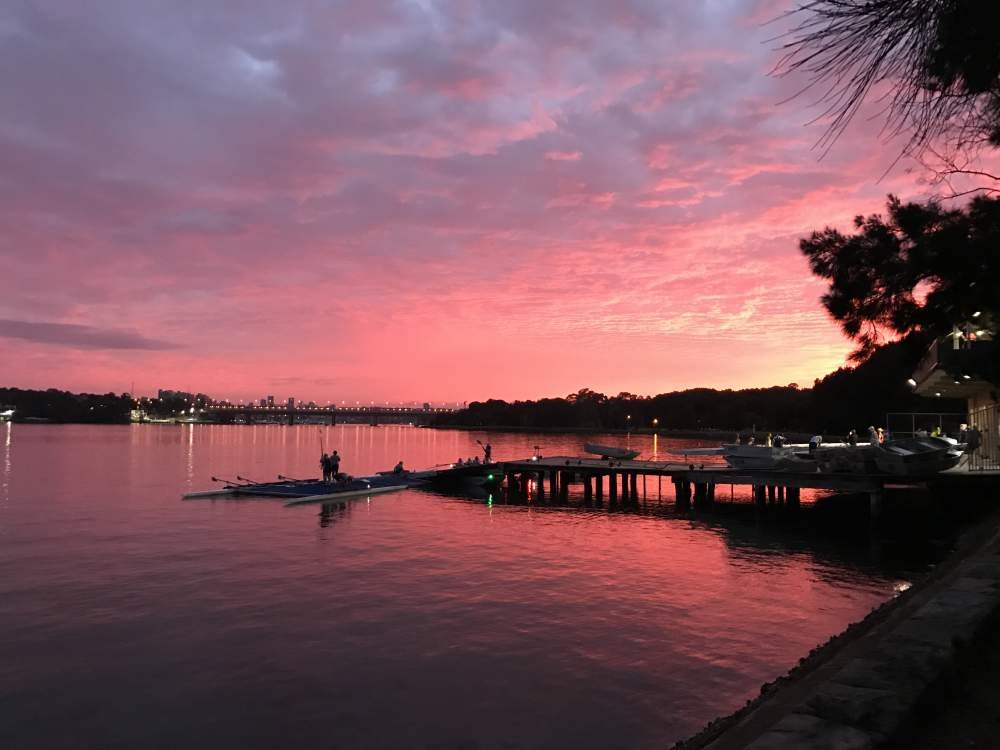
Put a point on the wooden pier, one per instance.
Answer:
(691, 483)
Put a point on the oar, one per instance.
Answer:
(244, 479)
(290, 479)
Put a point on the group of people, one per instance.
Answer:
(770, 440)
(330, 464)
(474, 461)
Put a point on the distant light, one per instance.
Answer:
(977, 313)
(911, 382)
(938, 393)
(490, 477)
(980, 333)
(967, 377)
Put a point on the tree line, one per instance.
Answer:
(849, 398)
(62, 406)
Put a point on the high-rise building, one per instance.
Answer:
(291, 402)
(270, 400)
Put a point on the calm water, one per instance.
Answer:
(130, 618)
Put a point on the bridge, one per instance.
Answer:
(250, 413)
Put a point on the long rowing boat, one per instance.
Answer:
(295, 492)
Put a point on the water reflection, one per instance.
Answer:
(428, 607)
(8, 433)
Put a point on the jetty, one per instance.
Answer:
(692, 483)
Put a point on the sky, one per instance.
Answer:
(414, 200)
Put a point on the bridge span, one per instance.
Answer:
(250, 413)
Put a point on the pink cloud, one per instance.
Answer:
(304, 197)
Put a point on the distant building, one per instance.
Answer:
(270, 400)
(291, 402)
(263, 402)
(427, 406)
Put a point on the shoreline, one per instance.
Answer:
(868, 685)
(692, 434)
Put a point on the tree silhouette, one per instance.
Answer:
(938, 59)
(921, 270)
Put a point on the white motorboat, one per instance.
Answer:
(757, 456)
(918, 456)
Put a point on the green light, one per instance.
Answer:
(490, 477)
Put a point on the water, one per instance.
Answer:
(131, 618)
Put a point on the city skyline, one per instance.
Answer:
(417, 201)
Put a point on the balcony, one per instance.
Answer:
(955, 372)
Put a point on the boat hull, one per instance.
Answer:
(917, 456)
(608, 451)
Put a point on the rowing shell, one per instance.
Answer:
(210, 493)
(345, 494)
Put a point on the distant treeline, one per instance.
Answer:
(62, 406)
(850, 398)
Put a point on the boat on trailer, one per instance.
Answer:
(609, 451)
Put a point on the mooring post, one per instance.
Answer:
(770, 494)
(711, 492)
(564, 487)
(553, 484)
(793, 497)
(612, 488)
(875, 504)
(781, 494)
(599, 487)
(634, 489)
(759, 494)
(588, 496)
(682, 492)
(540, 485)
(659, 488)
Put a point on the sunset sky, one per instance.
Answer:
(414, 200)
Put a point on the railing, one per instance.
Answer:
(986, 455)
(908, 424)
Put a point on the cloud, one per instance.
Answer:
(78, 336)
(322, 190)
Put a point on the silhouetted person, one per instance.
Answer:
(487, 453)
(324, 463)
(852, 438)
(814, 442)
(398, 468)
(335, 464)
